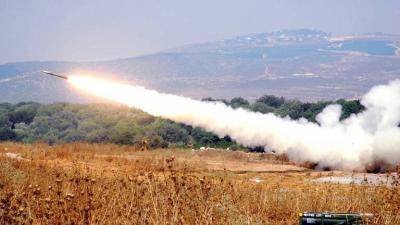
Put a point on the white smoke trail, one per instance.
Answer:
(349, 144)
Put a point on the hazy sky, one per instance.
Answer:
(108, 29)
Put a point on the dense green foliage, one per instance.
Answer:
(100, 123)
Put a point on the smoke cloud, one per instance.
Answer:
(350, 144)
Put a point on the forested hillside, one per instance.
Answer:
(100, 123)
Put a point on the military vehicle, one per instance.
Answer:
(327, 218)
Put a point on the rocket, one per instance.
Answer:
(54, 74)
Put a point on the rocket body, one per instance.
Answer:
(54, 74)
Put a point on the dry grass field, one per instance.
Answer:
(109, 184)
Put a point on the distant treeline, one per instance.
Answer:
(100, 123)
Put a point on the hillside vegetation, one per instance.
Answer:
(100, 123)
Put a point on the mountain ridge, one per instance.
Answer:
(306, 64)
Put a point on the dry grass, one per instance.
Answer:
(108, 184)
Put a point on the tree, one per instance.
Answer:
(350, 107)
(124, 132)
(239, 102)
(156, 141)
(7, 134)
(292, 108)
(202, 137)
(261, 107)
(209, 99)
(311, 110)
(173, 133)
(24, 113)
(271, 100)
(5, 111)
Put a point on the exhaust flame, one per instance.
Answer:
(350, 144)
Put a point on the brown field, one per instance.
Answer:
(109, 184)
